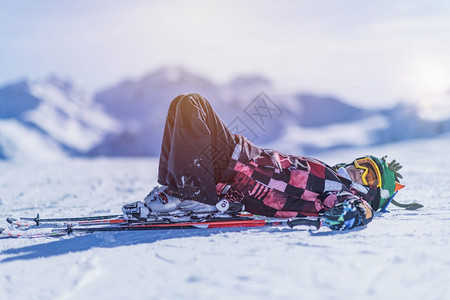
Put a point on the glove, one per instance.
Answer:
(348, 214)
(135, 211)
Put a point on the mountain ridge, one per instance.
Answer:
(127, 118)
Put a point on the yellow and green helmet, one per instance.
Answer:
(383, 176)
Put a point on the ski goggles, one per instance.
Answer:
(371, 174)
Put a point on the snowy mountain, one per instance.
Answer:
(53, 118)
(49, 119)
(321, 111)
(300, 123)
(142, 105)
(406, 122)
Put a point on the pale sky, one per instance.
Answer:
(367, 52)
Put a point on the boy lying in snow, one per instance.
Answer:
(205, 167)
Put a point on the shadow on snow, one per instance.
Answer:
(113, 239)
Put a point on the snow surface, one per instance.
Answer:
(401, 254)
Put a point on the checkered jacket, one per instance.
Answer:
(273, 184)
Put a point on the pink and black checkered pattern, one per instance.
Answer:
(273, 184)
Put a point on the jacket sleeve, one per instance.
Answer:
(351, 212)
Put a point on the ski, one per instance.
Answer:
(37, 220)
(27, 222)
(5, 233)
(227, 223)
(245, 220)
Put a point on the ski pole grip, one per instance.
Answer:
(305, 222)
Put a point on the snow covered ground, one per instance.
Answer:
(401, 254)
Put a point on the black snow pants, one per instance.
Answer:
(196, 149)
